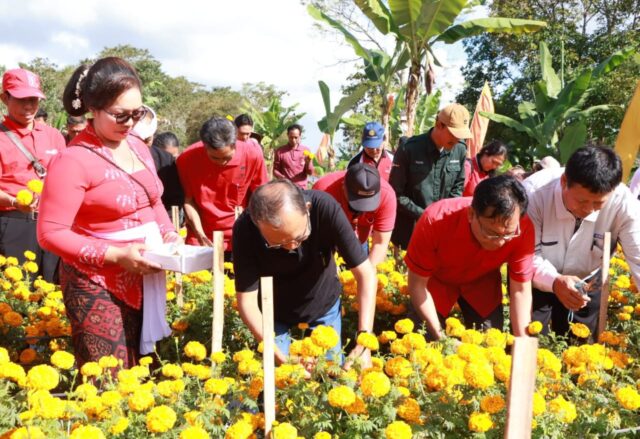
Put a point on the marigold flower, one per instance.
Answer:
(28, 432)
(218, 357)
(194, 432)
(325, 336)
(140, 400)
(322, 435)
(240, 430)
(161, 419)
(387, 336)
(108, 362)
(28, 356)
(195, 350)
(375, 384)
(42, 377)
(4, 356)
(341, 396)
(216, 386)
(24, 197)
(480, 422)
(628, 397)
(403, 326)
(368, 341)
(534, 328)
(398, 367)
(86, 390)
(91, 369)
(284, 431)
(563, 409)
(13, 273)
(35, 186)
(172, 371)
(398, 430)
(580, 330)
(119, 426)
(479, 375)
(30, 266)
(111, 398)
(492, 404)
(623, 316)
(13, 319)
(87, 432)
(409, 410)
(243, 355)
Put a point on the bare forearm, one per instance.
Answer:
(367, 285)
(193, 217)
(423, 303)
(379, 248)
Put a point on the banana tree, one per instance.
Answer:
(557, 120)
(329, 123)
(418, 24)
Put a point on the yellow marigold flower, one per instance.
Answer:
(454, 328)
(111, 398)
(580, 330)
(628, 397)
(12, 261)
(341, 396)
(240, 430)
(325, 336)
(375, 384)
(623, 316)
(35, 186)
(24, 197)
(409, 410)
(623, 282)
(243, 355)
(86, 390)
(492, 404)
(480, 422)
(218, 357)
(479, 375)
(13, 273)
(403, 326)
(42, 377)
(398, 367)
(539, 404)
(108, 362)
(194, 432)
(398, 430)
(4, 356)
(472, 336)
(195, 350)
(387, 336)
(145, 361)
(161, 419)
(322, 435)
(172, 371)
(495, 338)
(140, 400)
(414, 341)
(91, 369)
(216, 386)
(534, 328)
(119, 426)
(249, 367)
(28, 433)
(563, 409)
(30, 266)
(87, 432)
(368, 341)
(284, 431)
(13, 372)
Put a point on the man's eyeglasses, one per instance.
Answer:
(122, 118)
(492, 236)
(297, 242)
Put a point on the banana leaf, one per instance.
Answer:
(494, 24)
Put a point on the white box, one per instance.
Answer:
(184, 258)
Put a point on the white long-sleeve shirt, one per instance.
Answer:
(560, 251)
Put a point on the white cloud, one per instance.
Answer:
(70, 41)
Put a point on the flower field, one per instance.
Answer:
(456, 388)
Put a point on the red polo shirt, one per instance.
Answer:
(473, 176)
(381, 220)
(444, 249)
(384, 163)
(218, 189)
(289, 163)
(43, 141)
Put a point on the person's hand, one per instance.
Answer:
(359, 353)
(564, 288)
(27, 209)
(130, 258)
(203, 240)
(173, 237)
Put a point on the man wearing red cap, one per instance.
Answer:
(368, 202)
(428, 168)
(26, 149)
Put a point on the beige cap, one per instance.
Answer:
(456, 118)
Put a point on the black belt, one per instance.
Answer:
(31, 216)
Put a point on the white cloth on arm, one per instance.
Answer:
(154, 305)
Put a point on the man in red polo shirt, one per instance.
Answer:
(26, 149)
(373, 152)
(368, 202)
(218, 174)
(290, 160)
(456, 251)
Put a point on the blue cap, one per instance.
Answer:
(372, 135)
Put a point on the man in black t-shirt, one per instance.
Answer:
(291, 235)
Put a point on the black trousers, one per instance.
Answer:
(549, 311)
(17, 235)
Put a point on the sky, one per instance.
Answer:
(216, 43)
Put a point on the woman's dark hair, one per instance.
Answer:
(497, 197)
(99, 85)
(495, 147)
(165, 139)
(218, 132)
(242, 120)
(596, 168)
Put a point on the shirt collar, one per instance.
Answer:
(9, 123)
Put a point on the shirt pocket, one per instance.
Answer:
(452, 170)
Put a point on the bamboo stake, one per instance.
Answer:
(175, 217)
(268, 352)
(218, 292)
(604, 294)
(521, 387)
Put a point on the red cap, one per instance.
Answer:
(21, 83)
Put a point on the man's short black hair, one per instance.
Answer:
(497, 197)
(295, 126)
(242, 120)
(42, 113)
(596, 168)
(166, 139)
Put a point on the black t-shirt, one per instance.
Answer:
(173, 195)
(305, 282)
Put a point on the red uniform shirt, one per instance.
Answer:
(289, 163)
(43, 141)
(444, 249)
(473, 175)
(218, 189)
(382, 219)
(384, 163)
(84, 194)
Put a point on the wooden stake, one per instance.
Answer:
(521, 388)
(268, 352)
(175, 217)
(604, 295)
(218, 292)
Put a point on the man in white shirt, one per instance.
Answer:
(571, 209)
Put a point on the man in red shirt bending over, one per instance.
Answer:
(456, 251)
(218, 174)
(369, 203)
(290, 160)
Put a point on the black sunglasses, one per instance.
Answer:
(122, 118)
